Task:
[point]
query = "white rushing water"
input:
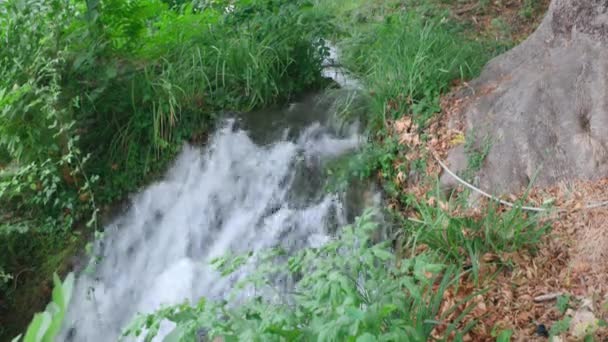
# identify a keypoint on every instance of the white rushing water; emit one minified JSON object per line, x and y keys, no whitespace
{"x":233,"y":196}
{"x":257,"y":184}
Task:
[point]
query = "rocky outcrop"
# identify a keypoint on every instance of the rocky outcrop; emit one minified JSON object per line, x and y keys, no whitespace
{"x":544,"y":104}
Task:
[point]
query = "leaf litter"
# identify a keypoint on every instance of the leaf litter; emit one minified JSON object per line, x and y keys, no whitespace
{"x":571,"y":260}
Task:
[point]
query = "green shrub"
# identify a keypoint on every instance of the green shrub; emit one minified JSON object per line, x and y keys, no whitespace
{"x":97,"y":96}
{"x":350,"y":289}
{"x":146,"y":91}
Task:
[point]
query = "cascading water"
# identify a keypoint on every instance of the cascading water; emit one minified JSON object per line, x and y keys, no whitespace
{"x":257,"y":184}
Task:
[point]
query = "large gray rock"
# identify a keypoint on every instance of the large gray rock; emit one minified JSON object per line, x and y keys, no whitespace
{"x":544,"y":104}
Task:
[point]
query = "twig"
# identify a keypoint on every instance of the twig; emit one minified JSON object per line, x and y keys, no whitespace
{"x":29,"y":269}
{"x":466,"y":9}
{"x":547,"y":297}
{"x":509,"y":204}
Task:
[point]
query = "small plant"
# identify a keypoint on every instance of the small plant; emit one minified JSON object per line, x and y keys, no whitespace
{"x":476,"y":153}
{"x":528,"y":9}
{"x":563,"y":303}
{"x":502,"y":27}
{"x":45,"y":326}
{"x":504,"y":336}
{"x":465,"y":240}
{"x":371,"y":160}
{"x":560,"y":327}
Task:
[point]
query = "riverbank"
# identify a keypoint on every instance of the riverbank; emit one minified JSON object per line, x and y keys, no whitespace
{"x":446,"y":258}
{"x":526,"y":276}
{"x":431,"y":282}
{"x":97,"y":98}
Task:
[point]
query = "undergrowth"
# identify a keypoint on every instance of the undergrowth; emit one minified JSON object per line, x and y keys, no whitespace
{"x":97,"y":96}
{"x":467,"y":240}
{"x":354,"y":288}
{"x":350,"y":289}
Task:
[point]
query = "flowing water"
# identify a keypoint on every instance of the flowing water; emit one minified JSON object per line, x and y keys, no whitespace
{"x":258,"y":183}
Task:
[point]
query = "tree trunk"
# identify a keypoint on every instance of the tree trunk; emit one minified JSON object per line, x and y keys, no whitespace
{"x":544,"y":104}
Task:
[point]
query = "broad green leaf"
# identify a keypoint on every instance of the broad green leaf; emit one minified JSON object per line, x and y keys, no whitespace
{"x":68,"y":286}
{"x":367,"y":337}
{"x":504,"y":336}
{"x":355,"y":313}
{"x":38,"y":328}
{"x":58,"y":297}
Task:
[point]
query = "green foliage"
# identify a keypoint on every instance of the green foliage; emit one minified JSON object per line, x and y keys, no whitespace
{"x":408,"y":61}
{"x":158,"y":84}
{"x":350,"y":289}
{"x":364,"y":164}
{"x":530,"y":8}
{"x":476,"y":152}
{"x":46,"y":325}
{"x":466,"y":240}
{"x":563,"y":303}
{"x":560,"y":327}
{"x":97,"y":96}
{"x":504,"y":336}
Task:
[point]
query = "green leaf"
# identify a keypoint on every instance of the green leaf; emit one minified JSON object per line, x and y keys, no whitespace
{"x":38,"y":328}
{"x":382,"y":254}
{"x":560,"y":326}
{"x":367,"y":337}
{"x":61,"y":299}
{"x":355,"y":313}
{"x":412,"y":288}
{"x":563,"y":302}
{"x":176,"y":335}
{"x":387,"y":310}
{"x":183,"y":316}
{"x":58,"y":297}
{"x":504,"y":336}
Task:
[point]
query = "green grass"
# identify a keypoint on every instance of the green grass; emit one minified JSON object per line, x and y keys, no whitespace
{"x":97,"y":97}
{"x":407,"y":62}
{"x":93,"y":105}
{"x":465,"y":240}
{"x":476,"y":151}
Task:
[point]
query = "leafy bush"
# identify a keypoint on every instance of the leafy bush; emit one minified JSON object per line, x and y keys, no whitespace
{"x":347,"y":290}
{"x":44,"y":188}
{"x":372,"y":159}
{"x":97,"y":96}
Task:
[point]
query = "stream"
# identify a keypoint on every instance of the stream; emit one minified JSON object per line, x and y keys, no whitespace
{"x":258,"y":183}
